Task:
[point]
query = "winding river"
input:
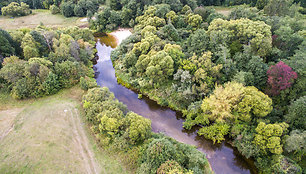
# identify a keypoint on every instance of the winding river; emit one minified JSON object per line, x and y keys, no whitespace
{"x":222,"y":157}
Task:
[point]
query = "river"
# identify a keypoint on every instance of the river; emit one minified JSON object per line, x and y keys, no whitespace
{"x":222,"y":157}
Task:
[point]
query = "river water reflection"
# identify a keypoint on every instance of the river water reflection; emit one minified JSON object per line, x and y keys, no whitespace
{"x":222,"y":157}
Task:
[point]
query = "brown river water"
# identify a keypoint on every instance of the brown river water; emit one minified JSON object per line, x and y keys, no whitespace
{"x":223,"y":158}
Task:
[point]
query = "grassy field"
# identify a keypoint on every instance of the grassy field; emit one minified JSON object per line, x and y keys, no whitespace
{"x":37,"y":17}
{"x":49,"y":135}
{"x":223,"y":10}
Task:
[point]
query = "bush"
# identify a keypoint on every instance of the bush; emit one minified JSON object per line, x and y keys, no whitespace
{"x":169,"y":166}
{"x":158,"y":152}
{"x":139,"y":128}
{"x":87,"y":83}
{"x":78,"y":11}
{"x":15,"y":9}
{"x":51,"y":84}
{"x":67,"y":9}
{"x":54,"y":9}
{"x":296,"y":114}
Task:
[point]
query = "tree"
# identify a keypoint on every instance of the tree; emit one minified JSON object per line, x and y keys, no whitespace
{"x":67,"y":9}
{"x":69,"y":73}
{"x":6,"y":41}
{"x":138,"y":127}
{"x":287,"y":40}
{"x":158,"y":152}
{"x":13,"y":69}
{"x":111,"y":121}
{"x":227,"y":105}
{"x":278,"y":7}
{"x":296,"y":144}
{"x":51,"y":84}
{"x":160,"y":67}
{"x":194,"y":20}
{"x":79,"y":11}
{"x":87,"y":83}
{"x":268,"y":137}
{"x":15,"y":9}
{"x":55,"y":9}
{"x":257,"y":34}
{"x":115,"y":5}
{"x":29,"y":46}
{"x":198,"y":42}
{"x":296,"y":114}
{"x":170,"y":166}
{"x":280,"y":77}
{"x":204,"y":72}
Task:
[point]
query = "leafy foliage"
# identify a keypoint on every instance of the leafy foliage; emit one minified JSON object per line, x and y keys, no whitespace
{"x":45,"y":68}
{"x":127,"y":130}
{"x":280,"y":77}
{"x":15,"y":9}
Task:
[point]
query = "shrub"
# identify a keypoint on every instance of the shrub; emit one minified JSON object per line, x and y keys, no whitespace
{"x":67,"y":9}
{"x":139,"y":128}
{"x":15,"y":9}
{"x":158,"y":152}
{"x":51,"y":84}
{"x":87,"y":83}
{"x":55,"y":9}
{"x":296,"y":114}
{"x":169,"y":166}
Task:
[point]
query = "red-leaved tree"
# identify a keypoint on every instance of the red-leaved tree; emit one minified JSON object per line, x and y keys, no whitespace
{"x":280,"y":77}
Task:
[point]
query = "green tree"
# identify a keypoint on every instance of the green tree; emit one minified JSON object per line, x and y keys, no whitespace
{"x":138,"y":127}
{"x":6,"y":41}
{"x":111,"y":121}
{"x":198,"y":42}
{"x":54,"y":9}
{"x":51,"y":84}
{"x":237,"y":103}
{"x":278,"y":7}
{"x":296,"y":144}
{"x":29,"y":46}
{"x":15,"y":9}
{"x":67,"y":9}
{"x":268,"y":137}
{"x":296,"y":114}
{"x":79,"y":11}
{"x":257,"y":34}
{"x":160,"y":67}
{"x":158,"y":152}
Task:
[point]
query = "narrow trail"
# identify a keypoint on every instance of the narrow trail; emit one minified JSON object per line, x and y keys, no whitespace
{"x":7,"y":122}
{"x":82,"y":141}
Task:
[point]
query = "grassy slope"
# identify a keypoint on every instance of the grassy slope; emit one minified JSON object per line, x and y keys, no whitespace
{"x":48,"y":135}
{"x":37,"y":17}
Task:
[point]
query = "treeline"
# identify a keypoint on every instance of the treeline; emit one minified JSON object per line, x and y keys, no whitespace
{"x":42,"y":61}
{"x":240,"y":76}
{"x":123,"y":13}
{"x":130,"y":134}
{"x":67,"y":8}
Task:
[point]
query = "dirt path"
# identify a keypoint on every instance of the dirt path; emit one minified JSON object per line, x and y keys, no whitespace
{"x":7,"y":118}
{"x":82,"y":141}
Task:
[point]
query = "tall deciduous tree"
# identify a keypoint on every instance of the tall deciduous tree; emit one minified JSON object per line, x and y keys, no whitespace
{"x":280,"y":77}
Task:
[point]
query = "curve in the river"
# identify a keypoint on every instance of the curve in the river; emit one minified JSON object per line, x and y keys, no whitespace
{"x":222,"y":157}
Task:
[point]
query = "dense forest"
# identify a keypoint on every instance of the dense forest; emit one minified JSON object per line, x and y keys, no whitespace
{"x":42,"y":61}
{"x":240,"y":76}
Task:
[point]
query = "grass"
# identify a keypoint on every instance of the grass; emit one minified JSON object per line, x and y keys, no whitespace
{"x":49,"y":135}
{"x":223,"y":10}
{"x":36,"y":18}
